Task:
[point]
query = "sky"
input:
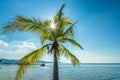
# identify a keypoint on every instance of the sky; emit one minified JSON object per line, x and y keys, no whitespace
{"x":97,"y":30}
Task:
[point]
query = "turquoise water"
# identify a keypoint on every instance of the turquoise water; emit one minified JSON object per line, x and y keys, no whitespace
{"x":66,"y":72}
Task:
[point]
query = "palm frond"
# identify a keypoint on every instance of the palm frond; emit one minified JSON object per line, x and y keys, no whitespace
{"x":64,"y":39}
{"x":24,"y":24}
{"x":59,"y":14}
{"x":20,"y":72}
{"x":44,"y":37}
{"x":10,"y":28}
{"x":68,"y":54}
{"x":69,"y":31}
{"x":30,"y":59}
{"x":64,"y":22}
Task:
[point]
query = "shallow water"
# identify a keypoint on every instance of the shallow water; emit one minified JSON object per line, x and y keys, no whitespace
{"x":66,"y":72}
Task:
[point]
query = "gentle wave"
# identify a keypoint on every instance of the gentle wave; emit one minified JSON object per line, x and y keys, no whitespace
{"x":66,"y":72}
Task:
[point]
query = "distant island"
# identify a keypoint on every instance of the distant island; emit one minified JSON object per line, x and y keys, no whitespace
{"x":14,"y":61}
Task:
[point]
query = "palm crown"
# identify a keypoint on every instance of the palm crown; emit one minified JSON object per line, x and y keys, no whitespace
{"x":53,"y":33}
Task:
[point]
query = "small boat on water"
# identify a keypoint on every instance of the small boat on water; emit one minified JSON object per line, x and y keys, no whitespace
{"x":42,"y":64}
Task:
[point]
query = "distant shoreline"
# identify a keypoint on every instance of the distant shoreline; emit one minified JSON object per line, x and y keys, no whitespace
{"x":16,"y":62}
{"x":7,"y":64}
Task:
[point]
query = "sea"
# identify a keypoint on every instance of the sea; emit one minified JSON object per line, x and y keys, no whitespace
{"x":66,"y":72}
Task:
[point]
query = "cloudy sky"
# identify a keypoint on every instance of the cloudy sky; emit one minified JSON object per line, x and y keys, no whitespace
{"x":98,"y":29}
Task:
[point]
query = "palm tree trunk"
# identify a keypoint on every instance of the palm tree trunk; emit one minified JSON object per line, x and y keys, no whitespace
{"x":55,"y":68}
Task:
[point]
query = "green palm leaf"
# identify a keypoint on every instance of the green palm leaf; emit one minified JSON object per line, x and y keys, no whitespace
{"x":30,"y":59}
{"x":69,"y":31}
{"x":20,"y":71}
{"x":25,"y":24}
{"x":59,"y":14}
{"x":64,"y":22}
{"x":68,"y":54}
{"x":64,"y":39}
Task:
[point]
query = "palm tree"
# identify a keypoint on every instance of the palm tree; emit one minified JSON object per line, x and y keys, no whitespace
{"x":53,"y":33}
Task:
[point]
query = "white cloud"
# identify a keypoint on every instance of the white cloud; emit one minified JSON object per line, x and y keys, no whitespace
{"x":15,"y":49}
{"x":3,"y":44}
{"x":27,"y":45}
{"x":24,"y":47}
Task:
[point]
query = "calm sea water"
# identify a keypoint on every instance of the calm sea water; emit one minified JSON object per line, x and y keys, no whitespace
{"x":66,"y":72}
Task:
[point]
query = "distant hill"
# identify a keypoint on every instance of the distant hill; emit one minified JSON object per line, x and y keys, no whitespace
{"x":8,"y":61}
{"x":14,"y":61}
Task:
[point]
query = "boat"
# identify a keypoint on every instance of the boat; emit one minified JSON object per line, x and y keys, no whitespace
{"x":42,"y":64}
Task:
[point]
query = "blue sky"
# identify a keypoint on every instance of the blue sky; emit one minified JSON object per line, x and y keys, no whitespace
{"x":97,"y":31}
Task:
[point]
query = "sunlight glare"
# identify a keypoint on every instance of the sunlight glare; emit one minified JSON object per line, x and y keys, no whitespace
{"x":53,"y":26}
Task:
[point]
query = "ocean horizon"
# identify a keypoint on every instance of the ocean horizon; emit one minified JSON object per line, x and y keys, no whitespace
{"x":85,"y":71}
